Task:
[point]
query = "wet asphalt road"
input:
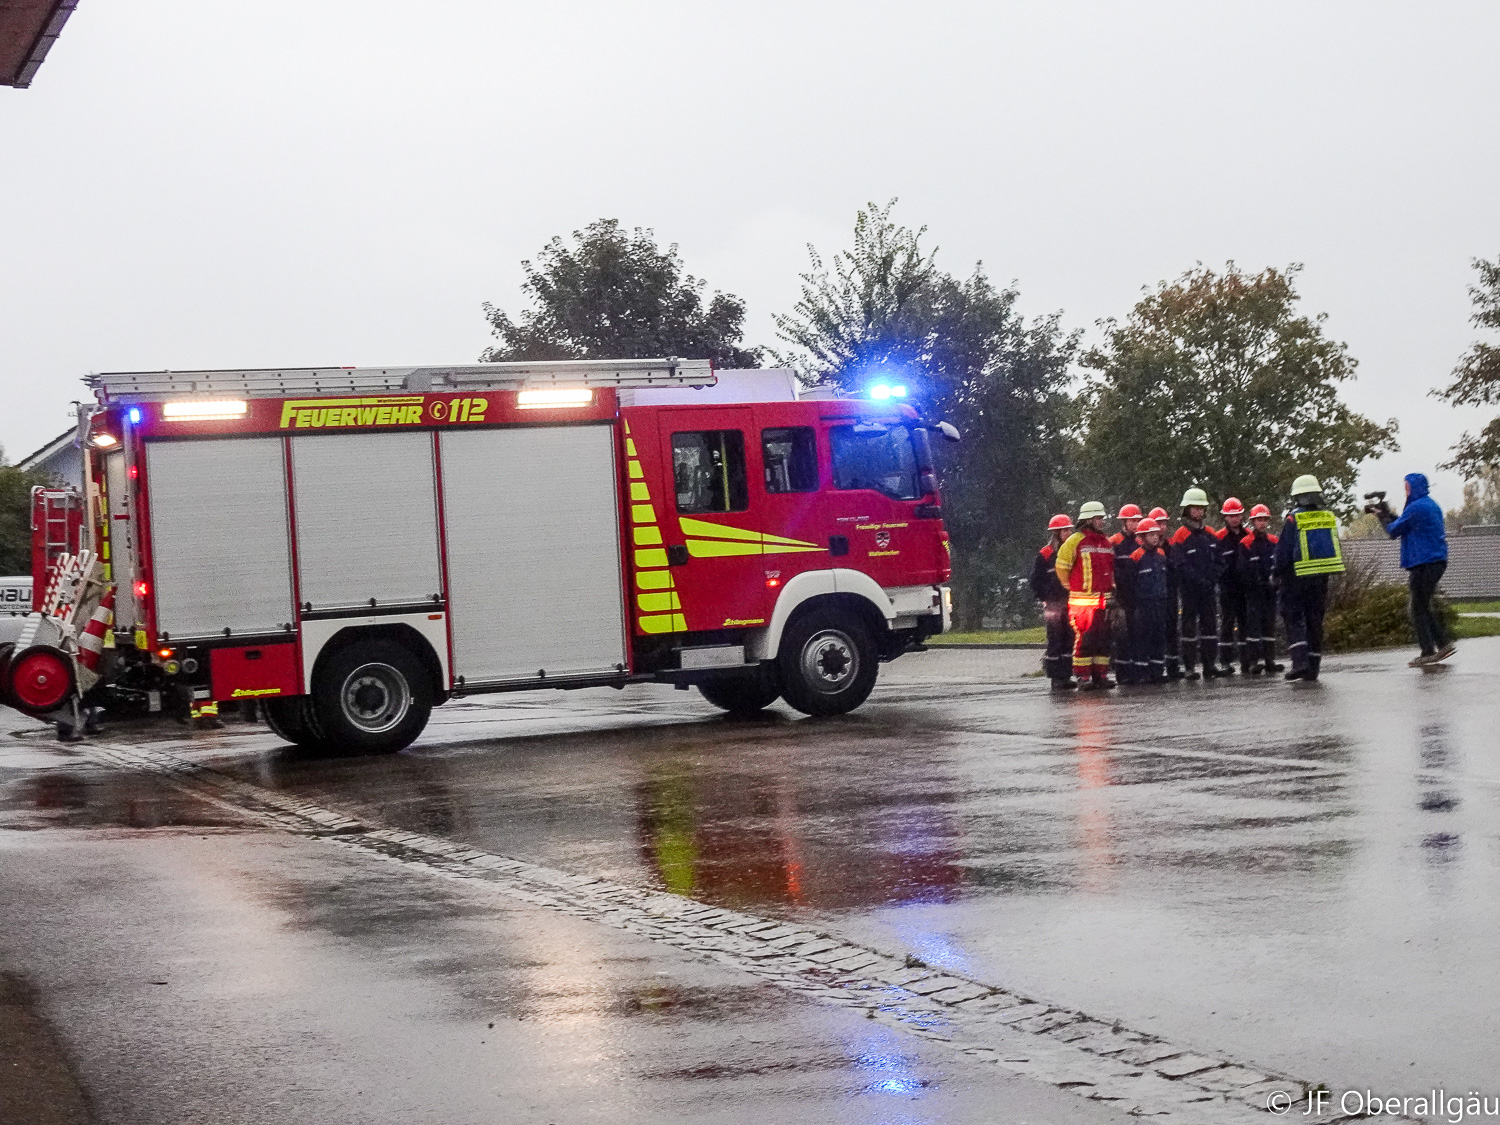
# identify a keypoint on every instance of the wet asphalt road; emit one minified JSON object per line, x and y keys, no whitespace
{"x":1301,"y":878}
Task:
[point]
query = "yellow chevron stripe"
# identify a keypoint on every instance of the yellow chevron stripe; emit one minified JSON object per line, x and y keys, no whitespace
{"x":642,"y":513}
{"x":657,"y":603}
{"x":647,"y":536}
{"x":653,"y":580}
{"x":724,"y":531}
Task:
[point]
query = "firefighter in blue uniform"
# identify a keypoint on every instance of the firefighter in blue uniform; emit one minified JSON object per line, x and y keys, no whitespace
{"x":1150,"y":587}
{"x":1129,"y":668}
{"x":1234,"y":640}
{"x":1256,"y":562}
{"x":1195,"y":554}
{"x":1307,"y":553}
{"x":1057,"y":662}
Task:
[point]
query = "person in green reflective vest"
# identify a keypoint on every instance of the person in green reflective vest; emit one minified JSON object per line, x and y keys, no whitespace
{"x":1307,"y":553}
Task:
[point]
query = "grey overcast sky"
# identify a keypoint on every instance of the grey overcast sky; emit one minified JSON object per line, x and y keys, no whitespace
{"x":344,"y":181}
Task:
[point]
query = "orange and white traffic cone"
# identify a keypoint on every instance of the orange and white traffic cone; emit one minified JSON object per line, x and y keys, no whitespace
{"x":91,"y":643}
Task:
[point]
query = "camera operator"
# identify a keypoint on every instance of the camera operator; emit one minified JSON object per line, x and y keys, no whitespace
{"x":1424,"y":557}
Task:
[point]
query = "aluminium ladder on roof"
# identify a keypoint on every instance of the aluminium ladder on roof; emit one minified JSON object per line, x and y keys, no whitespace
{"x":152,"y":386}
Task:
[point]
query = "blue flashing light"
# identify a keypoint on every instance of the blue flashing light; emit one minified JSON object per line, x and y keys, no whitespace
{"x":883,"y":391}
{"x":135,"y":415}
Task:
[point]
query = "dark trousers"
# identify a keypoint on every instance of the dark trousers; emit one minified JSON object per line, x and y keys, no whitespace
{"x":1260,"y":625}
{"x":1422,"y":582}
{"x":1303,"y":604}
{"x":1200,"y":626}
{"x":1234,"y":637}
{"x":1174,"y":635}
{"x":1057,"y":663}
{"x":1151,"y":617}
{"x":1122,"y":629}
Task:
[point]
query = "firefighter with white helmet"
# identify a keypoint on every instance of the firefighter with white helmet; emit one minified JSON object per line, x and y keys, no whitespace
{"x":1233,"y":639}
{"x":1086,"y":569}
{"x":1307,"y":553}
{"x":1057,"y":661}
{"x":1195,"y":552}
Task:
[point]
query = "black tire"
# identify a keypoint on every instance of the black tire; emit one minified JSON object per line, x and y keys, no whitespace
{"x":743,"y":693}
{"x":827,"y":663}
{"x":5,"y":650}
{"x":372,"y":697}
{"x":287,"y":719}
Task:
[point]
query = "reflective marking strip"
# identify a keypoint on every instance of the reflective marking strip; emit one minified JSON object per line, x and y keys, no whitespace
{"x":664,"y":623}
{"x":634,"y":468}
{"x":653,"y":580}
{"x":649,"y":557}
{"x":639,"y":491}
{"x":657,"y":603}
{"x":642,"y":513}
{"x":630,"y":447}
{"x":647,"y":536}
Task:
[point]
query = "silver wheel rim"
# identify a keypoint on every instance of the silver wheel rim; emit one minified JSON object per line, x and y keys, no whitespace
{"x":830,"y":661}
{"x":375,"y":697}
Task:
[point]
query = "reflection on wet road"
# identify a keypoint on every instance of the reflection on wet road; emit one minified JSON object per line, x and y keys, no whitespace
{"x":1300,"y":876}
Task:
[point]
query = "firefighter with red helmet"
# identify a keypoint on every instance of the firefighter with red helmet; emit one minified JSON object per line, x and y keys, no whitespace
{"x":1057,"y":661}
{"x":1233,"y":638}
{"x":1256,"y":561}
{"x":1086,"y":569}
{"x":1195,"y":552}
{"x":1128,"y":669}
{"x":1163,"y":520}
{"x":1150,"y":584}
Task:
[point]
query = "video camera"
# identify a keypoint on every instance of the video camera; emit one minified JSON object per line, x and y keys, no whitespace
{"x":1379,"y":508}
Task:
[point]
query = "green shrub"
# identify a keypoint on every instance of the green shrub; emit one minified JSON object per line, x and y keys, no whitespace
{"x":1376,"y":616}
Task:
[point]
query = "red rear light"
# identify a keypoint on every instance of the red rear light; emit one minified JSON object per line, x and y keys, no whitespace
{"x":140,"y":589}
{"x":135,"y":471}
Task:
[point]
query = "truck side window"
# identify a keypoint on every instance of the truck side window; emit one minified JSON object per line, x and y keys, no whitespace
{"x":876,"y":457}
{"x":790,"y":454}
{"x":708,"y":471}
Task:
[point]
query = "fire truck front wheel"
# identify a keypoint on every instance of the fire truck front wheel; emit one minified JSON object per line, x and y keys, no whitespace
{"x":372,"y":697}
{"x":827,"y":662}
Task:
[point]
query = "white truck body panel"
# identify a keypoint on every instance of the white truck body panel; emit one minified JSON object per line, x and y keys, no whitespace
{"x":535,"y":579}
{"x":219,"y":545}
{"x":366,"y":518}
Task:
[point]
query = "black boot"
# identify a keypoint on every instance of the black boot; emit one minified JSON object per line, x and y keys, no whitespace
{"x":1063,"y":685}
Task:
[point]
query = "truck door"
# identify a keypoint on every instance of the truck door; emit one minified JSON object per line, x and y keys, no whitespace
{"x":875,"y":485}
{"x":798,"y":524}
{"x":714,"y":514}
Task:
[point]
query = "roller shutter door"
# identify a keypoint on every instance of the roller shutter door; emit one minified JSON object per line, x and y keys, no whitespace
{"x":366,"y":520}
{"x":532,"y":523}
{"x":219,"y":548}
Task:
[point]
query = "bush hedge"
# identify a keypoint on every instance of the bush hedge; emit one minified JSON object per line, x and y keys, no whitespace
{"x":1376,"y":616}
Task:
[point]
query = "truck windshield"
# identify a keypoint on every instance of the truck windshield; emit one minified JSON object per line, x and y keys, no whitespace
{"x":875,"y":457}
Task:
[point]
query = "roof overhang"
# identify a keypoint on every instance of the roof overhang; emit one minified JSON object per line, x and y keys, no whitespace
{"x":28,"y":28}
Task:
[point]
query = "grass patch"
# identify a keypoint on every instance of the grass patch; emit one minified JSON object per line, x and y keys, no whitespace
{"x":1467,"y":627}
{"x":1477,"y":607}
{"x":1034,"y":636}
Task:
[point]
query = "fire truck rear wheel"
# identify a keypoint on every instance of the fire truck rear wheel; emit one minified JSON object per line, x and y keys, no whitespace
{"x":287,"y":719}
{"x":743,"y":693}
{"x":373,"y":697}
{"x":827,"y":662}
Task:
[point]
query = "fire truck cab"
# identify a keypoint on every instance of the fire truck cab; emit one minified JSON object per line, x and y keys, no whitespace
{"x":351,"y":547}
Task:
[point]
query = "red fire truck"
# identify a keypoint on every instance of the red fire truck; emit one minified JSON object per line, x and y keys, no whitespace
{"x":351,"y":546}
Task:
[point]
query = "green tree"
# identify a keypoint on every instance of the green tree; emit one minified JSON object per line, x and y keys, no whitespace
{"x":1481,"y":501}
{"x":883,"y":310}
{"x":616,"y":295}
{"x":1476,"y":379}
{"x":15,"y":517}
{"x":1215,"y":380}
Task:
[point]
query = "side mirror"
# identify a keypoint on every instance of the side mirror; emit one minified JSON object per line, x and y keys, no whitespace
{"x":949,"y":431}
